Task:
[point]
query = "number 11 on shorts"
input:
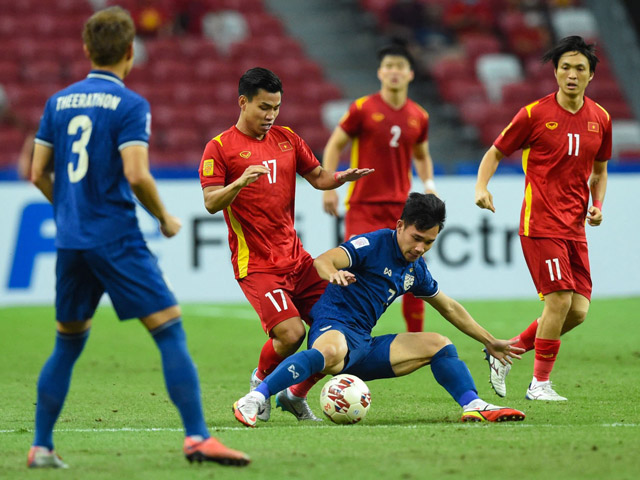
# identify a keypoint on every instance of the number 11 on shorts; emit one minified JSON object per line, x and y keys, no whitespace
{"x":550,"y":263}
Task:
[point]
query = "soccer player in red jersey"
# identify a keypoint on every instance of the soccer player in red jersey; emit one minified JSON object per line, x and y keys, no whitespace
{"x":565,"y":139}
{"x":249,"y":172}
{"x":385,"y":129}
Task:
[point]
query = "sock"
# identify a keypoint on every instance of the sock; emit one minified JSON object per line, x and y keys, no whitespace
{"x":453,"y":374}
{"x":269,"y":360}
{"x":413,"y":312}
{"x":294,"y":369}
{"x":301,"y":389}
{"x":546,"y":353}
{"x":53,"y":384}
{"x":527,"y":337}
{"x":180,"y":376}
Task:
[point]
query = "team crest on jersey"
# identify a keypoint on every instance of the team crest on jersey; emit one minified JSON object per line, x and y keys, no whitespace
{"x":593,"y":127}
{"x":408,"y":281}
{"x":285,"y":146}
{"x":207,"y":167}
{"x":245,"y":154}
{"x":551,"y":125}
{"x":378,"y":117}
{"x":360,"y":242}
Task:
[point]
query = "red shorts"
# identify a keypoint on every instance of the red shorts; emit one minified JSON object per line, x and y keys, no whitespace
{"x":556,"y":264}
{"x":367,"y":217}
{"x":278,"y":297}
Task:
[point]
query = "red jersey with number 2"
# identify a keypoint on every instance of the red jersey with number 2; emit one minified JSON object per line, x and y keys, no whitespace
{"x":260,"y":219}
{"x":558,"y":151}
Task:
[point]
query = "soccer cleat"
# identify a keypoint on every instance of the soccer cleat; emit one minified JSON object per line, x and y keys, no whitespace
{"x":497,"y":374}
{"x":298,"y":406}
{"x":492,"y":413}
{"x":265,"y":411}
{"x":42,"y":457}
{"x":246,"y":409}
{"x":543,"y":391}
{"x":212,"y":450}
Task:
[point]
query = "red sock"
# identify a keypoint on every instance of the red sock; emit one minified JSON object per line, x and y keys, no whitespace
{"x":527,"y":337}
{"x":269,"y":360}
{"x":413,"y":311}
{"x":301,"y":389}
{"x":546,"y":353}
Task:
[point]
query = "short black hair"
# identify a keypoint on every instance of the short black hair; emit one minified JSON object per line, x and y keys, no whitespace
{"x":573,"y":43}
{"x":396,"y":50}
{"x":258,"y":78}
{"x":424,"y":210}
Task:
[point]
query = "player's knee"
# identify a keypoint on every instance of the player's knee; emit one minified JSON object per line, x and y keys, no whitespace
{"x":577,"y":317}
{"x":333,"y":354}
{"x":291,"y":337}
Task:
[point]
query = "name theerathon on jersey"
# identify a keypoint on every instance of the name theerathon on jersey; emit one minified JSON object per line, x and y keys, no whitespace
{"x":83,"y":100}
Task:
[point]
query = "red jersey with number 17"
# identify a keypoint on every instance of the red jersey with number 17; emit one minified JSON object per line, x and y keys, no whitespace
{"x":260,"y":219}
{"x":558,"y":151}
{"x":383,"y":138}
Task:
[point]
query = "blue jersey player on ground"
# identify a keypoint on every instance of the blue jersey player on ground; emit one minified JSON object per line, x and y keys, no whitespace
{"x":91,"y":151}
{"x":366,"y":274}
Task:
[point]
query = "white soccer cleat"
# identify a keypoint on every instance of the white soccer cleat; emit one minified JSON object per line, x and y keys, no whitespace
{"x":497,"y":374}
{"x":42,"y":457}
{"x":543,"y":391}
{"x":246,"y":409}
{"x":265,"y":412}
{"x":287,"y":401}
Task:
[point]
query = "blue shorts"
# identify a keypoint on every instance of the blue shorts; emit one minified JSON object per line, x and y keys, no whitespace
{"x":367,"y":356}
{"x":125,"y":269}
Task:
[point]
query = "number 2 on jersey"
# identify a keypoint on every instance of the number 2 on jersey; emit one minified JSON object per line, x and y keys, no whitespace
{"x":83,"y":123}
{"x":396,"y":131}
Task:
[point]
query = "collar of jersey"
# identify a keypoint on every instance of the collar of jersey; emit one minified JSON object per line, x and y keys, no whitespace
{"x":104,"y":75}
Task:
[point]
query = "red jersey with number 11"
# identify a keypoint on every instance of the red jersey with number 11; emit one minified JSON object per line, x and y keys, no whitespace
{"x":558,"y":151}
{"x":260,"y":219}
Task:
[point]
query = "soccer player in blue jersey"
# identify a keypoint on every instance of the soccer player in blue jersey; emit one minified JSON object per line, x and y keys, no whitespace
{"x":91,"y":151}
{"x":366,"y":274}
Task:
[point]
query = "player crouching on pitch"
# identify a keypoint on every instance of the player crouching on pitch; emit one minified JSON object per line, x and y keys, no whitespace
{"x":366,"y":274}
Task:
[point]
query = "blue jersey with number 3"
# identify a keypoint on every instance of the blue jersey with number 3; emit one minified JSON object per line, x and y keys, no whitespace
{"x":382,"y":275}
{"x":87,"y":125}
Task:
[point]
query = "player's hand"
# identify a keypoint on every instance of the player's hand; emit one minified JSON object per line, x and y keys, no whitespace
{"x":251,"y":174}
{"x":484,"y":199}
{"x":330,"y":202}
{"x":504,"y":350}
{"x":353,"y":174}
{"x":594,"y":216}
{"x":342,"y":278}
{"x":170,"y":225}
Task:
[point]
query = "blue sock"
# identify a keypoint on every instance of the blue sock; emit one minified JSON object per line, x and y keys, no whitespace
{"x":294,"y":369}
{"x":452,"y":373}
{"x":53,"y":384}
{"x":180,"y":376}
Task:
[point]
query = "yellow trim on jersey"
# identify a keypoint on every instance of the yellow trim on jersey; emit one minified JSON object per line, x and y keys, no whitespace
{"x":219,"y":139}
{"x":288,"y":128}
{"x":355,"y":149}
{"x":243,"y":249}
{"x":529,"y":107}
{"x":527,"y":210}
{"x":360,"y":101}
{"x":423,"y":110}
{"x":603,"y":110}
{"x":525,"y":158}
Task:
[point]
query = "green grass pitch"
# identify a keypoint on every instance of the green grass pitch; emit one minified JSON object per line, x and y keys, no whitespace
{"x":119,"y":423}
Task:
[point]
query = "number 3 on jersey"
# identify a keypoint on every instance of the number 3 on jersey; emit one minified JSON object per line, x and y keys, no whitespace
{"x":82,"y":123}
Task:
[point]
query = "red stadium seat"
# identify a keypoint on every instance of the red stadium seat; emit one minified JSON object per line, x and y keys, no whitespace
{"x":9,"y":71}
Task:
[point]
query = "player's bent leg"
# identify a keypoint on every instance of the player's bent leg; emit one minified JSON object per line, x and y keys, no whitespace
{"x":287,"y":336}
{"x":411,"y":351}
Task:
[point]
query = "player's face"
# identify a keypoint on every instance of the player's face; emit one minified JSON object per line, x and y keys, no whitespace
{"x":573,"y":74}
{"x":414,"y":243}
{"x":257,"y":116}
{"x":395,"y":72}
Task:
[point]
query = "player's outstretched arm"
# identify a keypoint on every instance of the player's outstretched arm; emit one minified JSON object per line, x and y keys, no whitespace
{"x":330,"y":266}
{"x":488,"y":167}
{"x":322,"y":179}
{"x":330,"y":160}
{"x":41,"y":168}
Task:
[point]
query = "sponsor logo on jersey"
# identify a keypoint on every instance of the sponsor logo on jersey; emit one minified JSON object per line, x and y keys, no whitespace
{"x":408,"y":281}
{"x":414,"y":123}
{"x":360,"y":242}
{"x":207,"y":167}
{"x":551,"y":125}
{"x":377,"y":117}
{"x":593,"y":127}
{"x":245,"y":154}
{"x":285,"y":146}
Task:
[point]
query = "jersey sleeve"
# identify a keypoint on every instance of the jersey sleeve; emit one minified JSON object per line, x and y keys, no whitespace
{"x":45,"y":133}
{"x":424,"y":133}
{"x":357,"y":249}
{"x":213,"y":166}
{"x":351,"y":122}
{"x":516,"y":135}
{"x":605,"y":148}
{"x":135,"y":127}
{"x":426,"y":286}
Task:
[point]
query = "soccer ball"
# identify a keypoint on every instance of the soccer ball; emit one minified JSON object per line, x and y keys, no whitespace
{"x":345,"y":399}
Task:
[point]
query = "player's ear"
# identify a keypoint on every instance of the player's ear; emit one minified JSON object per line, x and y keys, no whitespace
{"x":242,"y":101}
{"x":400,"y":225}
{"x":85,"y":49}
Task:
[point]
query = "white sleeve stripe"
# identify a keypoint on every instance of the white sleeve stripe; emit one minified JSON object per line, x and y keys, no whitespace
{"x":133,"y":143}
{"x":43,"y":142}
{"x":348,"y":255}
{"x":429,"y":296}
